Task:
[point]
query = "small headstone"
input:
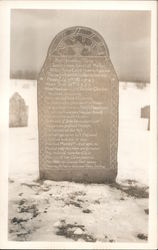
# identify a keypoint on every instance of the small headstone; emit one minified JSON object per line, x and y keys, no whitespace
{"x":145,"y":113}
{"x":18,"y":111}
{"x":78,"y":109}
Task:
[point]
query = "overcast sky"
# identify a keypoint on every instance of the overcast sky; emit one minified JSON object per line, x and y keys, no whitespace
{"x":126,"y":33}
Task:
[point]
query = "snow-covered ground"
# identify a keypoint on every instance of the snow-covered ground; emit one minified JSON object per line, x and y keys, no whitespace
{"x":64,"y":211}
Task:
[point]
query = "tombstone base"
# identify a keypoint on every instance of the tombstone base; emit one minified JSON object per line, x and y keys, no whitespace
{"x":95,"y":175}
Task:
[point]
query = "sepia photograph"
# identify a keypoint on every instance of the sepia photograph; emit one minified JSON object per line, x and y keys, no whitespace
{"x":80,"y":126}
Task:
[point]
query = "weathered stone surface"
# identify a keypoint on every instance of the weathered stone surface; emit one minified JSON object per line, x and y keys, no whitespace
{"x":78,"y":109}
{"x":145,"y":113}
{"x":18,"y":111}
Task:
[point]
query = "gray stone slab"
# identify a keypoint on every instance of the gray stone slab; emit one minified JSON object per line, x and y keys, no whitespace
{"x":18,"y":111}
{"x":78,"y":109}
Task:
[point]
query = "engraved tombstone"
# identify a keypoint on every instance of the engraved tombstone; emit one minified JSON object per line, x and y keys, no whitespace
{"x":78,"y":109}
{"x":18,"y":111}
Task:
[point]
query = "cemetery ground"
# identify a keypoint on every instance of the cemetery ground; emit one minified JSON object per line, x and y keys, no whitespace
{"x":67,"y":211}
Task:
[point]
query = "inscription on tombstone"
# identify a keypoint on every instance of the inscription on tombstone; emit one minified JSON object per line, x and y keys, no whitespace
{"x":78,"y":109}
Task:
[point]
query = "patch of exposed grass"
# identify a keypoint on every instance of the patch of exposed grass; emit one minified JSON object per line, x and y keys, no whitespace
{"x":87,"y":211}
{"x":68,"y":231}
{"x":132,"y":190}
{"x":73,"y":203}
{"x":142,"y":236}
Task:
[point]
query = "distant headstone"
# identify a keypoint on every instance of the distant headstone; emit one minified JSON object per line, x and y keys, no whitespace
{"x":78,"y":109}
{"x":18,"y":111}
{"x":145,"y":113}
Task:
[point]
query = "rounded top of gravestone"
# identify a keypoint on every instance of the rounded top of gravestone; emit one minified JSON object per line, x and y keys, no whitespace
{"x":16,"y":96}
{"x":78,"y":41}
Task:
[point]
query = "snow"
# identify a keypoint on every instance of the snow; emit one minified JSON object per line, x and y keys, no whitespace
{"x":133,"y":152}
{"x":65,"y":211}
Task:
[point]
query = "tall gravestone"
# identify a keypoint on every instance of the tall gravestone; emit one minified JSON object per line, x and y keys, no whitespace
{"x":78,"y":109}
